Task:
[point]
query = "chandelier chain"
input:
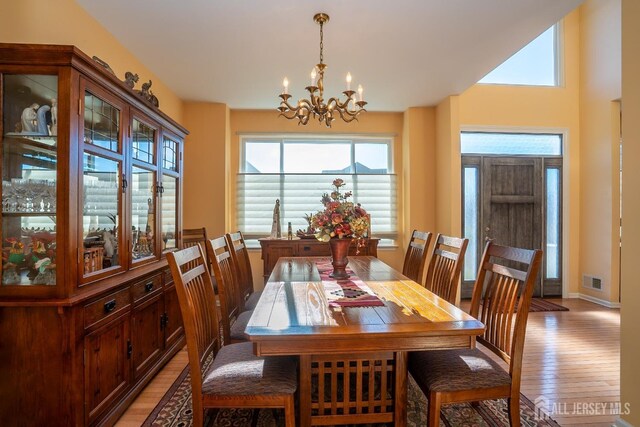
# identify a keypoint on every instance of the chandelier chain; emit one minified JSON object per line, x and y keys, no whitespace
{"x":321,"y":42}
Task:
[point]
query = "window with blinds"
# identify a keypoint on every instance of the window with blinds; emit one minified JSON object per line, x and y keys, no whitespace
{"x":299,"y":170}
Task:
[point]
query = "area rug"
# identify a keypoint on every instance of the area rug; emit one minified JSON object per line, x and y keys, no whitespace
{"x":174,"y":410}
{"x":540,"y":304}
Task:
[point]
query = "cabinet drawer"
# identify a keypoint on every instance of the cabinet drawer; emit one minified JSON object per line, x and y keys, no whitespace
{"x":168,"y":278}
{"x":145,"y":288}
{"x":105,"y":307}
{"x":313,"y":249}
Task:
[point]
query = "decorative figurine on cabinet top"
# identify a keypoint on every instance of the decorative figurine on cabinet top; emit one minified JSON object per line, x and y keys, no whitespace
{"x":276,"y":232}
{"x":130,"y":79}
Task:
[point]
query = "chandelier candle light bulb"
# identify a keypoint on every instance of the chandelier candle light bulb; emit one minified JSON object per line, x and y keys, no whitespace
{"x":285,"y":84}
{"x":316,"y":106}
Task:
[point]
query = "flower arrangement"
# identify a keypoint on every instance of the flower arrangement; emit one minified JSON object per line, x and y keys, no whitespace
{"x":340,"y":217}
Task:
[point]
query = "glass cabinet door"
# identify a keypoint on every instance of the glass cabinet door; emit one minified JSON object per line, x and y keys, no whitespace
{"x":103,"y":182}
{"x":143,"y":213}
{"x":29,"y":179}
{"x":169,"y":193}
{"x":144,"y":189}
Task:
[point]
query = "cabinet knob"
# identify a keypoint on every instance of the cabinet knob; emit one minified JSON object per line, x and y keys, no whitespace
{"x":109,"y":306}
{"x":148,"y":287}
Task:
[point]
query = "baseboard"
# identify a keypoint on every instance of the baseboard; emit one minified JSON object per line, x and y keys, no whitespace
{"x":599,"y":301}
{"x":619,"y":422}
{"x":572,"y":295}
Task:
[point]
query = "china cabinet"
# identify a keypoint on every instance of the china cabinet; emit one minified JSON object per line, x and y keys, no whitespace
{"x":91,"y":190}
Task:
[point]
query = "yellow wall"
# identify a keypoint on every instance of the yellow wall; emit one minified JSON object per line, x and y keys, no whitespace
{"x":65,"y":22}
{"x":268,"y":122}
{"x":448,"y":167}
{"x":630,"y":311}
{"x":505,"y":107}
{"x":205,"y":167}
{"x":600,"y":86}
{"x":418,"y":172}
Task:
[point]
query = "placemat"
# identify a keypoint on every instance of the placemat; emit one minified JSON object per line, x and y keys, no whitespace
{"x":351,"y":292}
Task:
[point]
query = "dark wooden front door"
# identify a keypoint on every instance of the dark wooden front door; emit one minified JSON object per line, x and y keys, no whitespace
{"x":512,"y":202}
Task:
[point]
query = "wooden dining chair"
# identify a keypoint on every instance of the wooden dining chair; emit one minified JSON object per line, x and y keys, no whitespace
{"x":444,"y":268}
{"x":416,"y":255}
{"x":235,"y":378}
{"x":198,"y":236}
{"x":194,"y":236}
{"x":234,"y":321}
{"x":470,"y":375}
{"x":240,"y":257}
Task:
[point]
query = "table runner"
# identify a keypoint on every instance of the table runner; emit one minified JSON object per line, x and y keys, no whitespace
{"x":351,"y":292}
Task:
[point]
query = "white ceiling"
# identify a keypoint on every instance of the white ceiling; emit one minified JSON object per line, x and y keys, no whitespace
{"x":404,"y":52}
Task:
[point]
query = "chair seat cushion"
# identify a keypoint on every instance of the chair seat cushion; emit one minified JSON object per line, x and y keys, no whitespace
{"x":252,"y":301}
{"x":237,"y":328}
{"x":236,"y":371}
{"x":456,"y":370}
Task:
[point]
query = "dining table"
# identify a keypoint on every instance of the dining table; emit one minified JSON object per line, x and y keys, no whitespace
{"x":353,"y":336}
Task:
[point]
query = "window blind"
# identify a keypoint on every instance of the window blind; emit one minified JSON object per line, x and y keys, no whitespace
{"x":300,"y":194}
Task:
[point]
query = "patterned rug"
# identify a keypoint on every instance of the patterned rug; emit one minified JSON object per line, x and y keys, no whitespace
{"x":174,"y":410}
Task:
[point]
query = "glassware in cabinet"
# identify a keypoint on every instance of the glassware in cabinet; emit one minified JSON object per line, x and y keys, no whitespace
{"x":29,"y":179}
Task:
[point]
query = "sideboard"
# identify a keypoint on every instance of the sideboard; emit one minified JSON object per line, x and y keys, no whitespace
{"x":272,"y":249}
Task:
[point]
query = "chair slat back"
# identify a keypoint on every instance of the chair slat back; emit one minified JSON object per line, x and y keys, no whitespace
{"x":198,"y":307}
{"x":225,"y":274}
{"x":195,"y":236}
{"x":416,"y":255}
{"x":504,"y":305}
{"x":240,"y":257}
{"x":445,"y":265}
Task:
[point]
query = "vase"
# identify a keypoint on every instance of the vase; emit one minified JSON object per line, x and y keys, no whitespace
{"x":339,"y":260}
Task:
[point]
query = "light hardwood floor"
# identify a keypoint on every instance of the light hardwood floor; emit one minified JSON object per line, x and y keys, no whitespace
{"x":571,"y":359}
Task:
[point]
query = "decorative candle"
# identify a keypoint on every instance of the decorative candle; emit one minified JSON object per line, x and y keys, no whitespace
{"x":360,"y":90}
{"x":313,"y":77}
{"x":348,"y":81}
{"x":285,"y":83}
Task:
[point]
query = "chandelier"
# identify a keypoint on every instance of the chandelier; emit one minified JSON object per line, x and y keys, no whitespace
{"x":315,"y":106}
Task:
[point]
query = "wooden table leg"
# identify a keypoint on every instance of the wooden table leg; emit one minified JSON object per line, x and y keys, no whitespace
{"x":305,"y":390}
{"x":400,"y":412}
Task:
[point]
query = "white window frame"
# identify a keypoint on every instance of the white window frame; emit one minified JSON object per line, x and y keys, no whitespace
{"x":353,"y":140}
{"x":558,"y":59}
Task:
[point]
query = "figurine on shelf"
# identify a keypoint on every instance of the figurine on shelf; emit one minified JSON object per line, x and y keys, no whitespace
{"x":46,"y":272}
{"x":30,"y":118}
{"x":41,"y":249}
{"x":43,"y":129}
{"x":54,"y":117}
{"x":110,"y":248}
{"x":13,"y":257}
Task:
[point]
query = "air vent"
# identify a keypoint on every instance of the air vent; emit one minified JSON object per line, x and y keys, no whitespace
{"x":592,"y":282}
